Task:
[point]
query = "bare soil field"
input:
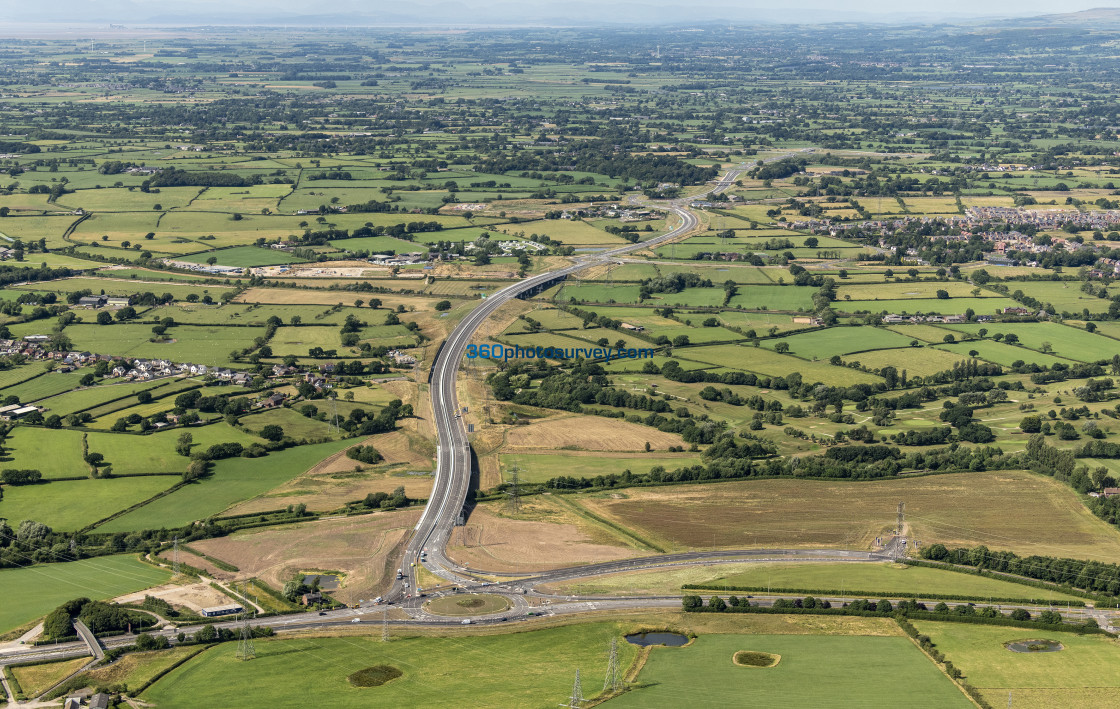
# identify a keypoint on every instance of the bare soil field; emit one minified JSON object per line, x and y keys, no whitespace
{"x":544,"y":536}
{"x":194,"y":596}
{"x":356,"y":546}
{"x":587,"y":433}
{"x":1016,"y":510}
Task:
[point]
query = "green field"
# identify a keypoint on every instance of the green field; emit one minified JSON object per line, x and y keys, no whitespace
{"x":91,"y":397}
{"x":53,"y":584}
{"x":189,"y":343}
{"x":1085,"y":674}
{"x":526,"y":669}
{"x":376,"y":244}
{"x":49,"y":384}
{"x":787,"y":297}
{"x":56,"y":453}
{"x":244,"y":257}
{"x":815,"y":671}
{"x":298,"y":340}
{"x":130,"y":453}
{"x":233,"y":480}
{"x":904,"y":306}
{"x":162,"y":391}
{"x":128,"y":287}
{"x":920,"y":361}
{"x":822,"y":344}
{"x":73,"y":504}
{"x":1064,"y":341}
{"x":294,"y":423}
{"x":763,"y":361}
{"x":15,"y":375}
{"x":1063,"y":296}
{"x":1001,"y":353}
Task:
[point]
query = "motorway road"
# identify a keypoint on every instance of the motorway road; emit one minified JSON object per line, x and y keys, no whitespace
{"x":453,"y":467}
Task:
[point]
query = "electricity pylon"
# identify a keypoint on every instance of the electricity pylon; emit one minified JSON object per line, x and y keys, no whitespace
{"x":245,"y":648}
{"x":613,"y":680}
{"x":576,"y":700}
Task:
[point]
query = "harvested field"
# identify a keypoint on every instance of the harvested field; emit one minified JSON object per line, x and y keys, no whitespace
{"x":356,"y":546}
{"x":1034,"y":515}
{"x":588,"y":433}
{"x":544,"y":537}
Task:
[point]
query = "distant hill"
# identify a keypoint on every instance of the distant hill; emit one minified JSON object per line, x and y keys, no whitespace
{"x":1097,"y":18}
{"x":350,"y":13}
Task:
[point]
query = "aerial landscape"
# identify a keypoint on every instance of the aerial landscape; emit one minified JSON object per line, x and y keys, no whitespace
{"x":644,"y":362}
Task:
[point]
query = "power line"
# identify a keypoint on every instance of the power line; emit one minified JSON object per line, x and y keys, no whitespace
{"x":175,"y":557}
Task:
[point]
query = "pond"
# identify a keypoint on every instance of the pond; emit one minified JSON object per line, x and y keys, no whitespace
{"x":670,"y":639}
{"x":327,"y":582}
{"x":1034,"y":646}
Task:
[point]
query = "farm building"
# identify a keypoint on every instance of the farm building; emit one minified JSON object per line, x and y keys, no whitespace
{"x":19,"y":412}
{"x":91,"y":301}
{"x":229,"y":609}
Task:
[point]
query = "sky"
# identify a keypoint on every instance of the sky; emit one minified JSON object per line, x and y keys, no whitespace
{"x":516,"y":11}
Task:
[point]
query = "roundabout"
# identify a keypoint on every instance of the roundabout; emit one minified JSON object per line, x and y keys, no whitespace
{"x":467,"y":605}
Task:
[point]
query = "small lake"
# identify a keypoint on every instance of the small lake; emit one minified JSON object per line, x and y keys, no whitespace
{"x":1035,"y":646}
{"x":670,"y":639}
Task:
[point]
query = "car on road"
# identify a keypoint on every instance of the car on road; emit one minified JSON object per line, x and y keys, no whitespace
{"x":322,"y":612}
{"x":356,"y":620}
{"x":468,"y":621}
